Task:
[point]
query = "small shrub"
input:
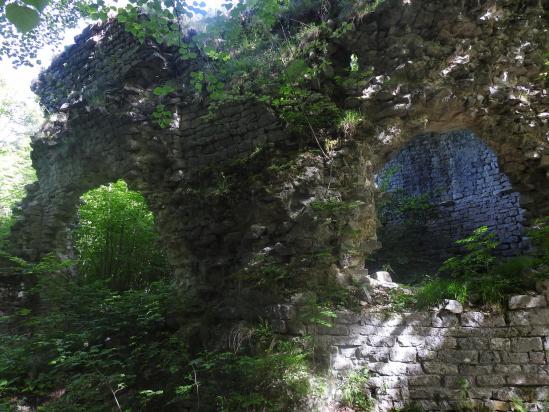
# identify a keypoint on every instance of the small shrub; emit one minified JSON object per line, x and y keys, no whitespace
{"x":479,"y":247}
{"x":349,"y":122}
{"x":162,"y":116}
{"x":477,"y":275}
{"x":354,"y":392}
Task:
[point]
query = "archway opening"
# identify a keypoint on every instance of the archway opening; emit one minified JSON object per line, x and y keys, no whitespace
{"x":115,"y":239}
{"x":436,"y":190}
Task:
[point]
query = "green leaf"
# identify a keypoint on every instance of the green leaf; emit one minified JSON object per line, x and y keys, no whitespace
{"x":23,"y":18}
{"x":39,"y":5}
{"x":24,"y":312}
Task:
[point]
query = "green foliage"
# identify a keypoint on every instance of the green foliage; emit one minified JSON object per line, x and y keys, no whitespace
{"x":303,"y":109}
{"x":116,"y":239}
{"x":518,"y":405}
{"x":19,"y":118}
{"x":316,"y":313}
{"x":163,"y":90}
{"x":354,"y":392}
{"x":265,"y":272}
{"x":269,"y":374}
{"x":413,"y":209}
{"x":539,"y":233}
{"x":436,"y":290}
{"x":466,"y":403}
{"x":24,"y":18}
{"x":30,"y":25}
{"x":162,"y":116}
{"x":387,"y":176}
{"x":91,"y":342}
{"x":349,"y":122}
{"x":15,"y":173}
{"x":479,"y":247}
{"x":5,"y":226}
{"x":353,"y":65}
{"x":334,"y":206}
{"x":359,"y":8}
{"x":96,"y":349}
{"x":476,"y":275}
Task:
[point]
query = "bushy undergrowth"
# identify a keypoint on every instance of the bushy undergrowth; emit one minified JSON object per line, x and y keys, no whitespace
{"x":116,"y":239}
{"x":354,"y":393}
{"x":95,"y":349}
{"x":478,"y":276}
{"x":112,"y":338}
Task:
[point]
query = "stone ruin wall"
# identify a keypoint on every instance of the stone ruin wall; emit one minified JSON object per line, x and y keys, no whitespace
{"x":423,"y":358}
{"x":456,"y":179}
{"x":437,"y":67}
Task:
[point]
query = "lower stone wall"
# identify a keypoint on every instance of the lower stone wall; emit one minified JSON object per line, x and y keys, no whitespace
{"x":430,"y":358}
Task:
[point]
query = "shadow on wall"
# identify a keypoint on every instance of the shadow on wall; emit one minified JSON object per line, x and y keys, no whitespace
{"x":438,"y":189}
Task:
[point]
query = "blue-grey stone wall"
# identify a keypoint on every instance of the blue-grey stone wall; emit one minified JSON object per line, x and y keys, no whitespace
{"x":438,"y":189}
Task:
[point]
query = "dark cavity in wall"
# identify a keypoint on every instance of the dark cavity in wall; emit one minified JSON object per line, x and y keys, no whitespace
{"x":438,"y":189}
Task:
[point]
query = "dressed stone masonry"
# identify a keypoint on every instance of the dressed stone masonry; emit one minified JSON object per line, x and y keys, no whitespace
{"x":459,"y":180}
{"x":428,"y":357}
{"x":236,"y":187}
{"x":437,"y":67}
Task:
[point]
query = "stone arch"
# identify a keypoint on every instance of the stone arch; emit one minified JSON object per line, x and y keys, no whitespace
{"x":428,"y":77}
{"x":439,"y":188}
{"x":100,"y":92}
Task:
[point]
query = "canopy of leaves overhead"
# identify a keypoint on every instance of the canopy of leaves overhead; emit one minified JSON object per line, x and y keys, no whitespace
{"x":27,"y":26}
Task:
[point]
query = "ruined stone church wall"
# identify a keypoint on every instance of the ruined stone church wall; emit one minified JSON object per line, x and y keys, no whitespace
{"x":237,"y":185}
{"x":437,"y":359}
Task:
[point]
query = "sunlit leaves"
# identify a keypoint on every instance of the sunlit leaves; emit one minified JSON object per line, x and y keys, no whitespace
{"x":114,"y":218}
{"x":163,"y":90}
{"x":39,"y":5}
{"x":22,"y":17}
{"x":21,"y":44}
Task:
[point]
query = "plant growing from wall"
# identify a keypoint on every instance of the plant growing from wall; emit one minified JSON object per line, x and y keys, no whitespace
{"x":162,"y":116}
{"x":354,"y":392}
{"x":478,"y":274}
{"x":414,"y":209}
{"x":349,"y":122}
{"x":539,"y":233}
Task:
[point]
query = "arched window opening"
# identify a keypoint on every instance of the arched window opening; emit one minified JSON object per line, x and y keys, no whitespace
{"x":116,"y":240}
{"x":437,"y":189}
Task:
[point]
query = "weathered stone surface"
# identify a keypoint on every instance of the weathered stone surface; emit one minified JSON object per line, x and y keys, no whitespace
{"x":383,"y":276}
{"x":422,"y":366}
{"x":403,"y":355}
{"x":527,"y":302}
{"x":526,"y":344}
{"x":439,"y":68}
{"x":453,"y":306}
{"x":480,"y":319}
